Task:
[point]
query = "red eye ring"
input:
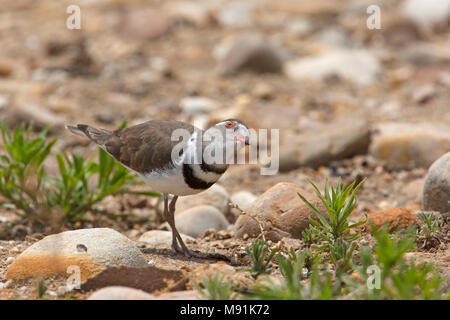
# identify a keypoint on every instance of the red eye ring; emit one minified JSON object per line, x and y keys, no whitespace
{"x":230,"y":124}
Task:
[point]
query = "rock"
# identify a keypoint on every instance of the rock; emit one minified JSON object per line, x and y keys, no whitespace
{"x":358,"y":66}
{"x":410,"y":144}
{"x":279,"y":210}
{"x":436,"y":190}
{"x":198,"y":14}
{"x":236,"y":14}
{"x":427,"y":13}
{"x":125,"y":293}
{"x":6,"y":69}
{"x":215,"y":196}
{"x":161,"y":237}
{"x":148,"y":279}
{"x":144,"y":24}
{"x":39,"y":116}
{"x":424,"y":94}
{"x":198,"y":105}
{"x":53,"y":254}
{"x":196,"y":220}
{"x":394,"y":218}
{"x":251,"y":52}
{"x":269,"y":116}
{"x":324,"y":145}
{"x":263,"y":90}
{"x":334,"y":36}
{"x":4,"y":101}
{"x":120,"y":293}
{"x":243,"y":199}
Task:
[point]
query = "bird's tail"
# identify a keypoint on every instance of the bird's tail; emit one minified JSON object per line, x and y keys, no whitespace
{"x":99,"y":136}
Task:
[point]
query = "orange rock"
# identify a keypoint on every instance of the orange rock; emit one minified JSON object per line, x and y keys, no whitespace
{"x":393,"y":218}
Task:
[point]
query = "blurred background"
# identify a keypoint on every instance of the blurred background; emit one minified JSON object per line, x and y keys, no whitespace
{"x":313,"y":69}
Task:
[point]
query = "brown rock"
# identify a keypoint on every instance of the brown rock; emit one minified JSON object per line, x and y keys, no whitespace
{"x":393,"y":218}
{"x":279,"y":210}
{"x":416,"y":144}
{"x":148,"y":279}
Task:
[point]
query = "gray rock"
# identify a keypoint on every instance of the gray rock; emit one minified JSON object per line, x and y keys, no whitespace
{"x":161,"y":237}
{"x":101,"y":248}
{"x":195,"y":221}
{"x":324,"y":145}
{"x":215,"y":196}
{"x":410,"y":144}
{"x":436,"y":190}
{"x":358,"y":66}
{"x":251,"y":52}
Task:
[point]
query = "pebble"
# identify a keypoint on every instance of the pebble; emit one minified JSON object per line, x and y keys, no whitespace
{"x":195,"y":221}
{"x":358,"y":66}
{"x":198,"y":105}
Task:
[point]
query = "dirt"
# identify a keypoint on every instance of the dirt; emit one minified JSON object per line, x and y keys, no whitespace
{"x":97,"y":75}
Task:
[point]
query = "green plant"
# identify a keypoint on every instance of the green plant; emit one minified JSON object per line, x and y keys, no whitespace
{"x":291,"y":288}
{"x":430,"y":233}
{"x":261,"y":256}
{"x":398,"y":278}
{"x":334,"y":236}
{"x":26,"y":186}
{"x":216,"y":288}
{"x":22,"y":172}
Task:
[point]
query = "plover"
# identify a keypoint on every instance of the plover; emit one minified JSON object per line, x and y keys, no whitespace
{"x":172,"y":157}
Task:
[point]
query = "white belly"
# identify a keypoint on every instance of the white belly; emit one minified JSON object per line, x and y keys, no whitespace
{"x":169,"y":181}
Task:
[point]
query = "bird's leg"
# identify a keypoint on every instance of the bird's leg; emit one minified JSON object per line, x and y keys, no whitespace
{"x":171,"y":222}
{"x":175,"y":232}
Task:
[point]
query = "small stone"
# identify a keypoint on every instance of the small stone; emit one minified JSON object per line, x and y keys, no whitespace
{"x":263,"y":91}
{"x":4,"y":101}
{"x":243,"y":199}
{"x":251,"y":52}
{"x":55,"y":253}
{"x":394,"y":218}
{"x":358,"y":66}
{"x":427,"y":13}
{"x":436,"y":190}
{"x":424,"y":94}
{"x":6,"y":69}
{"x":215,"y":196}
{"x":151,"y":263}
{"x":161,"y":237}
{"x":9,"y":260}
{"x":39,"y":116}
{"x":198,"y":105}
{"x":280,"y":212}
{"x":197,"y":220}
{"x":144,"y":24}
{"x":120,"y":293}
{"x":410,"y":144}
{"x":236,"y":14}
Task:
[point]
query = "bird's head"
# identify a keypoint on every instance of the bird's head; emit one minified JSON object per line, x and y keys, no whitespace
{"x":235,"y":132}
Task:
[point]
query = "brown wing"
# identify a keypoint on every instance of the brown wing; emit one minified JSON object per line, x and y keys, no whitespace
{"x":146,"y":146}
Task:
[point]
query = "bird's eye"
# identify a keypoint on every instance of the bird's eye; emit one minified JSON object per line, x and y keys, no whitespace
{"x":230,"y":124}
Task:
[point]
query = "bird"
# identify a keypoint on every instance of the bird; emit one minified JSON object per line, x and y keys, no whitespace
{"x":173,"y":158}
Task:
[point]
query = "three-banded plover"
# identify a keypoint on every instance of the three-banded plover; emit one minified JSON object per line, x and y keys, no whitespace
{"x":172,"y":157}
